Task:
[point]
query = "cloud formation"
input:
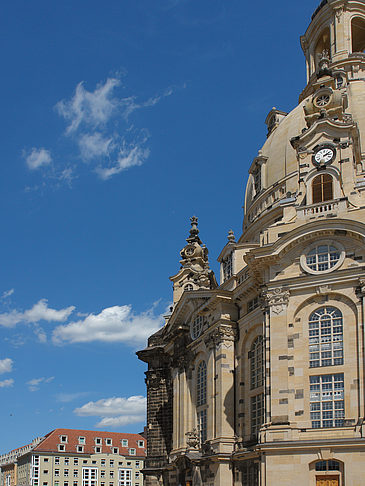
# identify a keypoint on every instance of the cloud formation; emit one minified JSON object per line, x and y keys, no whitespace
{"x":37,"y":157}
{"x":7,"y":383}
{"x":6,"y":365}
{"x":7,"y":294}
{"x":40,"y":311}
{"x":35,"y":383}
{"x":113,"y":324}
{"x":116,"y":411}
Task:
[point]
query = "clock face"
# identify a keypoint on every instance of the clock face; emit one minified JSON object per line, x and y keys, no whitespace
{"x":324,"y":155}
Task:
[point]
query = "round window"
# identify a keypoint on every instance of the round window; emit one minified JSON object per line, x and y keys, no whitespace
{"x":323,"y":257}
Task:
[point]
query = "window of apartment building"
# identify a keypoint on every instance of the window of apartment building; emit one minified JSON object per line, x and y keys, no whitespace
{"x":35,"y":460}
{"x":132,"y":452}
{"x":124,"y":442}
{"x":102,"y":462}
{"x":45,"y":459}
{"x":93,"y":462}
{"x":102,"y":483}
{"x":136,"y":474}
{"x":137,"y":463}
{"x":65,"y":473}
{"x":111,"y":483}
{"x":76,"y":461}
{"x":120,"y":463}
{"x":82,"y":440}
{"x":35,"y":482}
{"x":8,"y":479}
{"x":98,"y":440}
{"x":102,"y":473}
{"x":56,"y":483}
{"x":75,"y":483}
{"x":84,"y":461}
{"x":115,"y":450}
{"x":125,"y":477}
{"x":97,"y":449}
{"x":111,"y":474}
{"x":327,"y":400}
{"x":256,"y":363}
{"x":45,"y":483}
{"x":65,"y":483}
{"x":141,"y":443}
{"x":108,"y":442}
{"x":67,"y":461}
{"x":45,"y":471}
{"x":111,"y":463}
{"x":63,"y":438}
{"x":80,"y":448}
{"x":129,"y":463}
{"x":89,"y":476}
{"x":56,"y":460}
{"x":325,"y":337}
{"x":76,"y":473}
{"x":56,"y":472}
{"x":61,"y":447}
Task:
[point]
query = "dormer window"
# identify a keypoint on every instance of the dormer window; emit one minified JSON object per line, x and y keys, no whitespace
{"x":115,"y":450}
{"x":132,"y":452}
{"x":80,"y":448}
{"x":140,"y":443}
{"x":256,"y":173}
{"x":98,"y":440}
{"x":124,"y":442}
{"x":61,"y":448}
{"x":82,"y":440}
{"x":63,"y":438}
{"x":108,"y":442}
{"x":97,"y":449}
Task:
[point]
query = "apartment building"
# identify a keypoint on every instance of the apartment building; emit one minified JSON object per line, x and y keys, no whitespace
{"x":68,"y":457}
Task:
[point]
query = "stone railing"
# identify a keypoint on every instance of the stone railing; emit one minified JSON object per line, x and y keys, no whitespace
{"x":323,"y":209}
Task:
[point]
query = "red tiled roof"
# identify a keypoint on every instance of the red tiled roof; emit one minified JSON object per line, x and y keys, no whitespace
{"x":52,"y":440}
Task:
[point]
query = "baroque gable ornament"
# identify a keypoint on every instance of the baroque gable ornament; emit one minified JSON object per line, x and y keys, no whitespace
{"x":277,"y":299}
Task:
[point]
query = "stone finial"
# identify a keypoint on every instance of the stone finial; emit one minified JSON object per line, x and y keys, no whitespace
{"x":194,"y":232}
{"x":231,"y":238}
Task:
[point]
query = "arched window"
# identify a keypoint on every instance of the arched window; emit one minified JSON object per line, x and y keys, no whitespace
{"x":256,"y":381}
{"x":358,"y":34}
{"x":188,"y":287}
{"x":256,"y":363}
{"x":325,"y":337}
{"x":201,"y":400}
{"x":322,"y":188}
{"x":201,"y":384}
{"x":323,"y":46}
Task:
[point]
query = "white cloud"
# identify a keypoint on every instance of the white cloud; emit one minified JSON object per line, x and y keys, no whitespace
{"x":35,"y":383}
{"x":94,"y":145}
{"x":6,"y":365}
{"x":113,"y":324}
{"x":7,"y":293}
{"x":127,"y":158}
{"x":40,"y":311}
{"x":93,"y":108}
{"x":6,"y":383}
{"x":115,"y":411}
{"x":37,"y":158}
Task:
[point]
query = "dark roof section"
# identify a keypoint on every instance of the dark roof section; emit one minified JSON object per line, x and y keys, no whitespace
{"x":321,"y":5}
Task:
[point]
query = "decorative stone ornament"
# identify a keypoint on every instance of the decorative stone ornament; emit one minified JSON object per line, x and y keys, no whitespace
{"x":277,"y":299}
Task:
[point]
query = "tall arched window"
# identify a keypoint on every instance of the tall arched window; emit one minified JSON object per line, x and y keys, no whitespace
{"x":358,"y":34}
{"x":256,"y":381}
{"x":325,"y":337}
{"x":201,"y":400}
{"x":256,"y":363}
{"x":322,"y":188}
{"x":323,"y":46}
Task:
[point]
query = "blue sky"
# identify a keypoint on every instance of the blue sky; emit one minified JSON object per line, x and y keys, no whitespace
{"x":120,"y":120}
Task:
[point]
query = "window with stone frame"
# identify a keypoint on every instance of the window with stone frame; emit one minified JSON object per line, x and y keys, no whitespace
{"x":256,"y":174}
{"x":325,"y":337}
{"x":322,"y":188}
{"x":257,"y":413}
{"x":201,"y":400}
{"x":256,"y":363}
{"x":327,"y":405}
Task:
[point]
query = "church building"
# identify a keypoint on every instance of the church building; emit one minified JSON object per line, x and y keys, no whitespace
{"x":259,"y":379}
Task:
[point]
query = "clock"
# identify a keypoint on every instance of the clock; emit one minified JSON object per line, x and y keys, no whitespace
{"x":323,"y":154}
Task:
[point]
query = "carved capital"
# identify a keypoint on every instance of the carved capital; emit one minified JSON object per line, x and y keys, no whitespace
{"x":193,"y":439}
{"x":277,"y":299}
{"x":219,"y":335}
